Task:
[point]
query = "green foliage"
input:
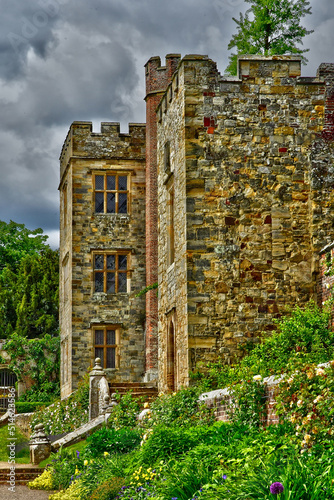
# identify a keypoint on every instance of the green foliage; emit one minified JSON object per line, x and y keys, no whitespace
{"x":179,"y":409}
{"x":303,"y":333}
{"x":270,"y":27}
{"x":113,"y":441}
{"x":37,"y":359}
{"x":167,"y":442}
{"x":29,"y":296}
{"x":28,"y":407}
{"x":147,"y":289}
{"x":125,"y":413}
{"x":66,"y":415}
{"x":248,"y":403}
{"x":17,"y":241}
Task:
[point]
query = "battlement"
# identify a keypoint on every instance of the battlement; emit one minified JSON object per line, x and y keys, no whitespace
{"x":157,"y":76}
{"x":255,"y":66}
{"x":81,"y":141}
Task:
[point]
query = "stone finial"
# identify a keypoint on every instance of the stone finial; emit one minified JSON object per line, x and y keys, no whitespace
{"x":97,"y":370}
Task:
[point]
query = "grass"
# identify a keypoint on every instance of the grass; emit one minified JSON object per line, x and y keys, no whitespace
{"x":23,"y":456}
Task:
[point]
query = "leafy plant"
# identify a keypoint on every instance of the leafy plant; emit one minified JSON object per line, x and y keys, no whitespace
{"x":126,"y":411}
{"x":66,"y":415}
{"x":306,"y":397}
{"x":248,"y":402}
{"x":179,"y":409}
{"x":113,"y":441}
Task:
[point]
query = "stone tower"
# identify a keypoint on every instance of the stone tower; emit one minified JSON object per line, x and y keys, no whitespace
{"x":102,"y":252}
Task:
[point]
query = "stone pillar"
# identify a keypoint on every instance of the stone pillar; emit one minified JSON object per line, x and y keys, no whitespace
{"x":40,"y":445}
{"x":95,"y":378}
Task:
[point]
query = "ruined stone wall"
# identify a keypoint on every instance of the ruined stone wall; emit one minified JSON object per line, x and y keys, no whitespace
{"x":258,"y":197}
{"x":85,"y":154}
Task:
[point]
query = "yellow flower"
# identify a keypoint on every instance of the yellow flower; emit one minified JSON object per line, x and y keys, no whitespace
{"x":85,"y":462}
{"x":257,"y":378}
{"x":146,"y":405}
{"x":105,"y":453}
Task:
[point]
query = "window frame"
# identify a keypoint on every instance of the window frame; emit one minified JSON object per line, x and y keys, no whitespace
{"x":116,"y":191}
{"x":116,"y":271}
{"x":116,"y":346}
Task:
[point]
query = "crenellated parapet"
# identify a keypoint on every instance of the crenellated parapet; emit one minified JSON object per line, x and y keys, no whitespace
{"x":157,"y":76}
{"x":82,"y":142}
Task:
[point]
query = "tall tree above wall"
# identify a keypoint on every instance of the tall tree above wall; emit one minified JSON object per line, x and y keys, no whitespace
{"x":270,"y":27}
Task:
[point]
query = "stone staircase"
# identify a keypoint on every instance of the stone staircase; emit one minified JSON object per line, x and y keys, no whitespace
{"x":23,"y":474}
{"x":145,"y":390}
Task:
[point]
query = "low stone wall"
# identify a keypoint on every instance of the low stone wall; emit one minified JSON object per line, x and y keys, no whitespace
{"x":221,"y":400}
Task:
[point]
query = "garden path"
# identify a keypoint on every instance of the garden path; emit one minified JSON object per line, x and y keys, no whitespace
{"x":23,"y":493}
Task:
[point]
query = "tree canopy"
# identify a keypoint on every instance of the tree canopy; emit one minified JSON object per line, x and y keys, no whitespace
{"x":29,"y":296}
{"x":17,"y":241}
{"x":270,"y":27}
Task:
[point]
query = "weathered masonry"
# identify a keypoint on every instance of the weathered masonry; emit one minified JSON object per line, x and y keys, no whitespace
{"x":225,"y":199}
{"x":245,"y":197}
{"x":102,"y":252}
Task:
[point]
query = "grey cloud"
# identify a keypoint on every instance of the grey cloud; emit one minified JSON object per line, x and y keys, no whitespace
{"x":83,"y":60}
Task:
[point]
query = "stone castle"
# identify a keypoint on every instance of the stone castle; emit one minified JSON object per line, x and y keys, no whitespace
{"x":224,"y":198}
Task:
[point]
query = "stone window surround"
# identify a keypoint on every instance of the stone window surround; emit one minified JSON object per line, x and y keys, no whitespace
{"x":105,"y":327}
{"x":117,"y":173}
{"x":116,"y":272}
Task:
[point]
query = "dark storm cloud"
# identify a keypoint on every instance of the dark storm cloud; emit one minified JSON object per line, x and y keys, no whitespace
{"x":24,"y":26}
{"x":66,"y":60}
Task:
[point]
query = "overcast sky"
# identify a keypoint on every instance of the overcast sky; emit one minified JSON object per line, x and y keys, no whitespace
{"x":67,"y":60}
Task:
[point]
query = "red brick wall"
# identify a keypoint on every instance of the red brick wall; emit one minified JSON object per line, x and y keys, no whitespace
{"x":157,"y":80}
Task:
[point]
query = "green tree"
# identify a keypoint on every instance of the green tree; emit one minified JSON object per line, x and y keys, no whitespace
{"x":29,"y":296}
{"x":17,"y":241}
{"x":270,"y":27}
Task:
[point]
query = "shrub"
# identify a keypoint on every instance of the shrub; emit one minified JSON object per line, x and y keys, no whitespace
{"x":28,"y":407}
{"x":248,"y":402}
{"x":179,"y":409}
{"x":112,"y":441}
{"x":306,"y":397}
{"x":67,"y":415}
{"x":125,"y":413}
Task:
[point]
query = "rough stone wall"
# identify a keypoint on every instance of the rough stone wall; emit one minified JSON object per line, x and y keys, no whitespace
{"x":173,"y":276}
{"x":85,"y":153}
{"x":258,"y":187}
{"x":157,"y":79}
